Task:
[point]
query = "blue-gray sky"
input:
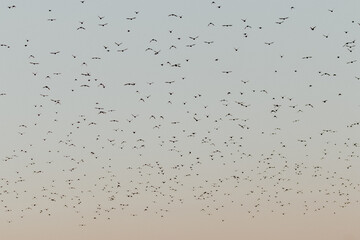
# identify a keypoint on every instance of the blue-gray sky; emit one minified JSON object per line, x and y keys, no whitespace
{"x":179,"y":119}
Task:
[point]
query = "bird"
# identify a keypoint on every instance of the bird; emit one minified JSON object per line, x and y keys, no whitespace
{"x":150,"y":110}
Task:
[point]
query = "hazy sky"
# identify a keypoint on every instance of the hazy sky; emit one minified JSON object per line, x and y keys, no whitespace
{"x":179,"y":119}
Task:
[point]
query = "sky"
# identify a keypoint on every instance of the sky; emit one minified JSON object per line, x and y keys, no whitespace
{"x":179,"y":119}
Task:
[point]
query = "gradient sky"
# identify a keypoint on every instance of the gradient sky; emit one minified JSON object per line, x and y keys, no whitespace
{"x":241,"y":120}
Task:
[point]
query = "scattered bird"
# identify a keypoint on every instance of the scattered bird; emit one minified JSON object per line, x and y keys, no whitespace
{"x":106,"y":129}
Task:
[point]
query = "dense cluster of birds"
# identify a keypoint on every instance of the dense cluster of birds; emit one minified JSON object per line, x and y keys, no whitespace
{"x":138,"y":114}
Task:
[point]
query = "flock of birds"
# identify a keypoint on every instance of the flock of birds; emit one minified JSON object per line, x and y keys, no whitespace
{"x":139,"y":119}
